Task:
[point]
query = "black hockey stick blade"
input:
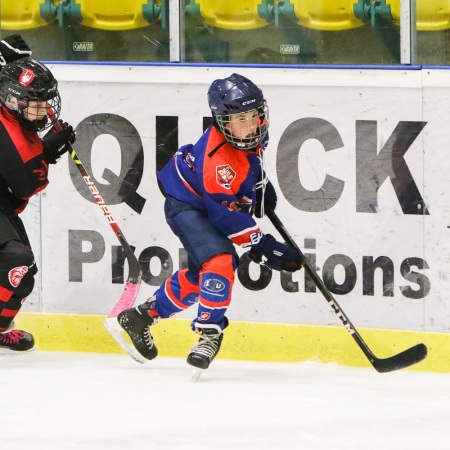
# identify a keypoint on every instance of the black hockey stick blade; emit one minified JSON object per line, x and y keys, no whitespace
{"x":399,"y":361}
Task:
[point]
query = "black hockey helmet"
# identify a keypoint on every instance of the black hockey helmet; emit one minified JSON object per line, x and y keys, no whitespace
{"x":28,"y":80}
{"x":236,"y":95}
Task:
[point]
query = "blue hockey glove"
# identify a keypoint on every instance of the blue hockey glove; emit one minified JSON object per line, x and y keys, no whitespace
{"x":12,"y":48}
{"x":276,"y":255}
{"x":268,"y":202}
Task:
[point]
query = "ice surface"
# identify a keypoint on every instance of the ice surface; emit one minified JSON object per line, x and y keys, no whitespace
{"x":53,"y":400}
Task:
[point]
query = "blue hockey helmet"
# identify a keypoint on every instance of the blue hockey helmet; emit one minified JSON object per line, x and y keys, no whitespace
{"x":233,"y":96}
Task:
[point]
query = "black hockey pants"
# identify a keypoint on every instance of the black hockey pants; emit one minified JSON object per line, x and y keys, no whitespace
{"x":17,"y":268}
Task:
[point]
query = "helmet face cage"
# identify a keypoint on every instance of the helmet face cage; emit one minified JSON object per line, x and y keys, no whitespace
{"x":27,"y":80}
{"x":239,"y":110}
{"x":53,"y":104}
{"x":245,"y":130}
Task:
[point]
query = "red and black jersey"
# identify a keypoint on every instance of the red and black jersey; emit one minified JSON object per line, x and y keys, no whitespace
{"x":23,"y":168}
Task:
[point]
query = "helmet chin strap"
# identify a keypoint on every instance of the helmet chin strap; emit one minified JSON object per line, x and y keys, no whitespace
{"x":264,"y":179}
{"x":36,"y":125}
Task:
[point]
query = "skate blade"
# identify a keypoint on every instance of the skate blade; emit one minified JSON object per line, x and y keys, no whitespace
{"x":196,"y":374}
{"x":120,"y":336}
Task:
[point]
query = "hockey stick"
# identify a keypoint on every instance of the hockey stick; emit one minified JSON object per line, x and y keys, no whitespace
{"x":133,"y":282}
{"x":401,"y":360}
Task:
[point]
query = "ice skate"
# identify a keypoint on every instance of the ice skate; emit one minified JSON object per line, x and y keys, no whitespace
{"x":16,"y":341}
{"x":136,"y":322}
{"x":206,"y":349}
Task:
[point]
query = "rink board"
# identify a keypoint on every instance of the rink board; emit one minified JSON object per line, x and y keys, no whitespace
{"x":243,"y":341}
{"x":358,"y":157}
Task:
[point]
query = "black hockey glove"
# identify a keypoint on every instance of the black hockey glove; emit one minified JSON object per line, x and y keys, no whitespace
{"x":13,"y":48}
{"x":269,"y":201}
{"x":56,"y":143}
{"x":276,"y":255}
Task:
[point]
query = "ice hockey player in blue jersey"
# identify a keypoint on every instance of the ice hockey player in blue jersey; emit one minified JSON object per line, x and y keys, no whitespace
{"x":213,"y":190}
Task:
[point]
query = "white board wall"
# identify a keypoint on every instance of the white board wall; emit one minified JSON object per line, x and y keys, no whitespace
{"x":356,"y":156}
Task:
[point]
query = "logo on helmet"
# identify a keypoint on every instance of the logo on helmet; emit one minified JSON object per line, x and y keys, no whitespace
{"x":26,"y":77}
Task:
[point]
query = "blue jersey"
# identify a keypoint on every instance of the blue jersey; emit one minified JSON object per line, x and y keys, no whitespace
{"x":219,"y":180}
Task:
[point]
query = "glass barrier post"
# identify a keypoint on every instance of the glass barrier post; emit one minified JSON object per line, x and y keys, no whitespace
{"x":176,"y":14}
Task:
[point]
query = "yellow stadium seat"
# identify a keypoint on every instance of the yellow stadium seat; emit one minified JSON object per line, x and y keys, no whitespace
{"x":431,"y":15}
{"x":231,"y":14}
{"x":113,"y":14}
{"x":326,"y":15}
{"x":21,"y":15}
{"x":395,"y":10}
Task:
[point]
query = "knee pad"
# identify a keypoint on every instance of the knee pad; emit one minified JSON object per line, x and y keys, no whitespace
{"x":17,"y":270}
{"x":216,"y":281}
{"x":24,"y":289}
{"x":16,"y":255}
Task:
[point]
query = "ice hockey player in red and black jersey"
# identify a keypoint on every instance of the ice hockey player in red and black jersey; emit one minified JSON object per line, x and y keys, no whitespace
{"x":27,"y":91}
{"x":213,"y":189}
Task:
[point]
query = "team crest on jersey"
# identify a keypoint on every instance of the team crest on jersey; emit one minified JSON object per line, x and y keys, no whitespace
{"x":225,"y":175}
{"x":15,"y":275}
{"x":26,"y":77}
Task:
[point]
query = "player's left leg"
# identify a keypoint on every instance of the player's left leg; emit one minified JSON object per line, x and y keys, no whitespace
{"x":216,"y":284}
{"x":17,"y":270}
